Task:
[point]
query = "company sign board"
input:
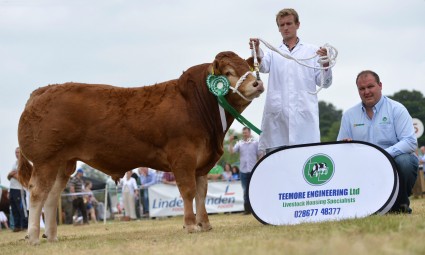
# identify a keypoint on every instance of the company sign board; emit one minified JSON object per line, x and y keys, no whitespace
{"x":322,"y":182}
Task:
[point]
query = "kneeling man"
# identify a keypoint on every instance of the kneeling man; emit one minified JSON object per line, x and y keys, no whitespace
{"x":387,"y":124}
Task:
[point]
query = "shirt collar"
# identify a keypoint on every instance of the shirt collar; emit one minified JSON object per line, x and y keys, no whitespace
{"x":287,"y":47}
{"x":377,"y":106}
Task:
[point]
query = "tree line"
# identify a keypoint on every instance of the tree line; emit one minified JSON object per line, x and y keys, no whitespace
{"x":330,"y":119}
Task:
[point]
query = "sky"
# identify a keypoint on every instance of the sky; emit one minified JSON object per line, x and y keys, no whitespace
{"x":132,"y":43}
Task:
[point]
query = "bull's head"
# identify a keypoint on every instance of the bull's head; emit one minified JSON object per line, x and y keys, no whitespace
{"x":243,"y":82}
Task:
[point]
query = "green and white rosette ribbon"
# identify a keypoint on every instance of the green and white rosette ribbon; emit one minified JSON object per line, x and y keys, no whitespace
{"x":223,"y":103}
{"x":218,"y":84}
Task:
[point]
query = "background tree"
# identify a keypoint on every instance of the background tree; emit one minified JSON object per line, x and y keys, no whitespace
{"x":329,"y":121}
{"x":414,"y":102}
{"x":94,"y":173}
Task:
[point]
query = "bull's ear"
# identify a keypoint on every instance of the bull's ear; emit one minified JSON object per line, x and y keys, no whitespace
{"x":250,"y":62}
{"x":215,"y":66}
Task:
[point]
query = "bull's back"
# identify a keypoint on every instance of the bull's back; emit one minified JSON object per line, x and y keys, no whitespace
{"x":94,"y":122}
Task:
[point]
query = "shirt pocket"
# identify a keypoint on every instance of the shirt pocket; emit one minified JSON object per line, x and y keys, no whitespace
{"x":386,"y":134}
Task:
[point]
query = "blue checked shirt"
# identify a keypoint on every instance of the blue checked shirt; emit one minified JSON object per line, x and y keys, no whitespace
{"x":391,"y":127}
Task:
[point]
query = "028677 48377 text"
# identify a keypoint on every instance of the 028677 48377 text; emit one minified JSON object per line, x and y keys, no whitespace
{"x":314,"y":212}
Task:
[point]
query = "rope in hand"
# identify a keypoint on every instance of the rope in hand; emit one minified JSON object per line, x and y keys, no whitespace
{"x":330,"y":58}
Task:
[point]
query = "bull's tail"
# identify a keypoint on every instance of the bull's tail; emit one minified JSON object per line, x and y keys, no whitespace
{"x":24,"y":170}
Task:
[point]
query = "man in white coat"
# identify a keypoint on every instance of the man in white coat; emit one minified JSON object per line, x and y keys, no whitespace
{"x":291,"y":113}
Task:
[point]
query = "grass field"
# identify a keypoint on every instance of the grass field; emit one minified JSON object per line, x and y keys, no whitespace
{"x":235,"y":234}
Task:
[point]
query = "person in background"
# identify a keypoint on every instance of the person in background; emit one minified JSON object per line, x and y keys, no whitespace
{"x":3,"y":220}
{"x":168,"y":178}
{"x":235,"y":173}
{"x":291,"y":112}
{"x":17,"y":198}
{"x":227,"y":174}
{"x":216,"y":173}
{"x":386,"y":123}
{"x":248,"y":154}
{"x":159,"y":175}
{"x":147,"y":179}
{"x":76,"y":188}
{"x":129,"y":195}
{"x":91,"y":201}
{"x":421,"y":156}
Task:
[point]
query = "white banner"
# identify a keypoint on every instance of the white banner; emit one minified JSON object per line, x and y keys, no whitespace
{"x":320,"y":182}
{"x":165,"y":200}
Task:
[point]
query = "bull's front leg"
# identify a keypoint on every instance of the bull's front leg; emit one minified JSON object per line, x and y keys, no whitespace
{"x":201,"y":212}
{"x":183,"y":168}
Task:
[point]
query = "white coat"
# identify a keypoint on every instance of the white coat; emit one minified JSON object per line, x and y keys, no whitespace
{"x":291,"y":114}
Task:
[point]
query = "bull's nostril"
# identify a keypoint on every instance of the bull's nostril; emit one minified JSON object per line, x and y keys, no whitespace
{"x":255,"y":84}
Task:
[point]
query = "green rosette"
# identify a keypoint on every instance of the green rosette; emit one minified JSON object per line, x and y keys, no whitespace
{"x":218,"y":85}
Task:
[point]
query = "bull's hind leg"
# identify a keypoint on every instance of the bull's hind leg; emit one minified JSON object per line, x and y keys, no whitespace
{"x":51,"y":204}
{"x":41,"y":182}
{"x":201,"y":212}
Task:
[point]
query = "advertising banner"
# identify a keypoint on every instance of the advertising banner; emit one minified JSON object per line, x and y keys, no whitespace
{"x":165,"y":200}
{"x":324,"y":181}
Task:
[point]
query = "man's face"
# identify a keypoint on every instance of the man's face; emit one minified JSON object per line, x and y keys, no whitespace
{"x":370,"y":90}
{"x":246,"y":133}
{"x":143,"y":171}
{"x":423,"y":149}
{"x":287,"y":27}
{"x":17,"y":152}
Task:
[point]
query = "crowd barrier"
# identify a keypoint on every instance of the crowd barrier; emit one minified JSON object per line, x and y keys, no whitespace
{"x":164,"y":200}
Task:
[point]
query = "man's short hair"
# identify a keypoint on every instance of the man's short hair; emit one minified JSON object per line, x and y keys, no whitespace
{"x":246,"y":128}
{"x":366,"y":72}
{"x":287,"y":12}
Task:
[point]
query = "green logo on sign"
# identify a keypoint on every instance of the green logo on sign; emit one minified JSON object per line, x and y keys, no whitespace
{"x":318,"y":169}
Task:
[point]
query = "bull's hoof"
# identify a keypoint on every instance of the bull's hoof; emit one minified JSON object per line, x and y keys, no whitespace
{"x":205,"y":226}
{"x":33,"y":241}
{"x":52,"y":240}
{"x":191,"y":228}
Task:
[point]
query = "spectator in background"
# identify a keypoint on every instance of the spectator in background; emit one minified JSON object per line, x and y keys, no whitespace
{"x":421,"y":156}
{"x":386,"y":123}
{"x":235,"y":173}
{"x":91,"y":201}
{"x":129,"y":195}
{"x":159,"y":175}
{"x":17,"y":198}
{"x":215,"y":173}
{"x":3,"y":220}
{"x":147,"y":179}
{"x":76,"y":189}
{"x":168,"y":178}
{"x":227,"y":174}
{"x":248,"y":154}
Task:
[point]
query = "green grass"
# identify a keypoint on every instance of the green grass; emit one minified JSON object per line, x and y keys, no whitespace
{"x":236,"y":234}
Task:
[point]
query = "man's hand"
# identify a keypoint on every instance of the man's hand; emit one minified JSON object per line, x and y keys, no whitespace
{"x":12,"y":174}
{"x":322,"y":52}
{"x":347,"y":140}
{"x":257,"y":44}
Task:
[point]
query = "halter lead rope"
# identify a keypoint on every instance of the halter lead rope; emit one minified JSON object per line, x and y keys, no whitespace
{"x":331,"y":54}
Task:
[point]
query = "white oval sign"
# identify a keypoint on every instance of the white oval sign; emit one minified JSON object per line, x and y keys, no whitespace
{"x":319,"y":182}
{"x":419,"y":127}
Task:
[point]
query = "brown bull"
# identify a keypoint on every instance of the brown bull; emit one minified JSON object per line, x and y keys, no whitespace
{"x":172,"y":126}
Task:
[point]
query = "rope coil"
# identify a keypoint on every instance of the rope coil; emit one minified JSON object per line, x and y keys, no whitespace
{"x":330,"y":58}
